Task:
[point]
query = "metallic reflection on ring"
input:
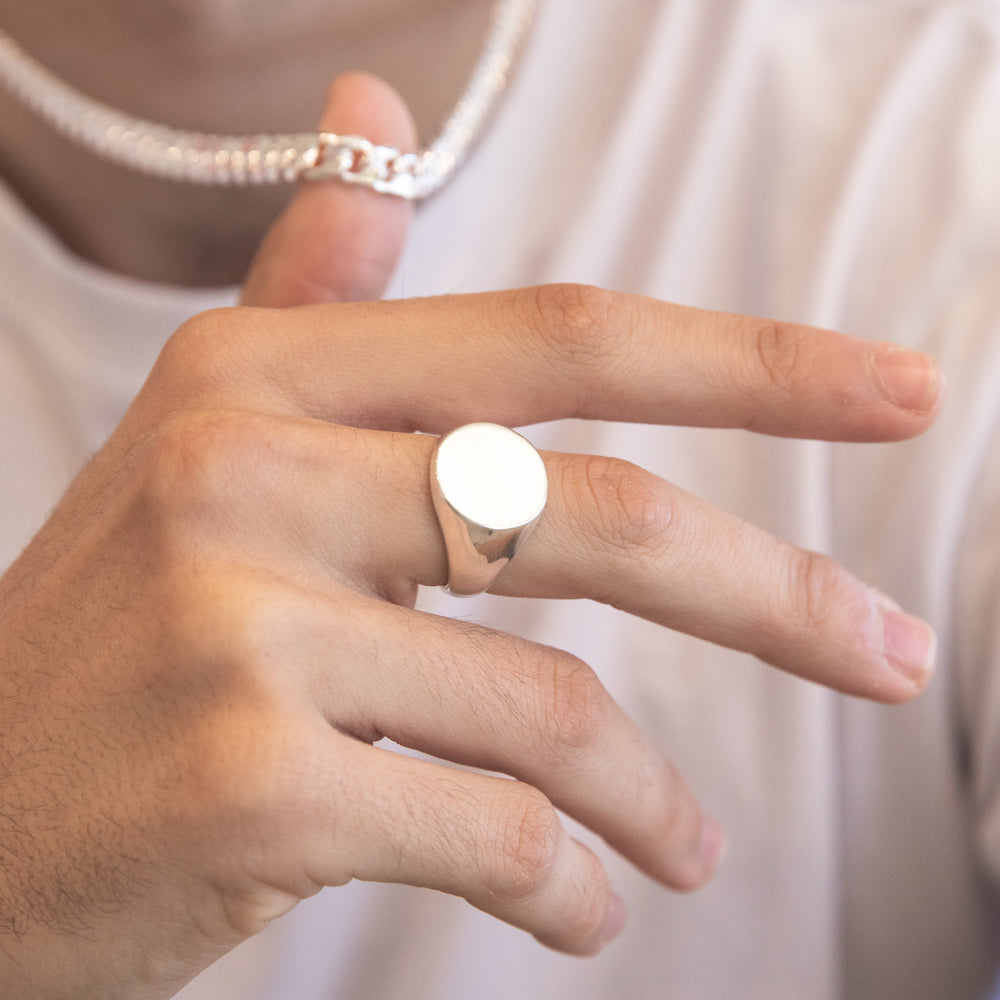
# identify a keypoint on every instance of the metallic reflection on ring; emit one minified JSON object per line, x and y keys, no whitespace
{"x":489,"y":488}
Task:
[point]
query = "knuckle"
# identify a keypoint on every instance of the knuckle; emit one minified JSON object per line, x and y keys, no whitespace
{"x":625,"y":509}
{"x":224,"y":691}
{"x":574,"y":707}
{"x":193,"y":460}
{"x":817,"y":583}
{"x":580,"y":322}
{"x":224,"y":634}
{"x":527,"y":834}
{"x":229,"y":624}
{"x":206,"y":356}
{"x":194,"y":350}
{"x":778,"y":353}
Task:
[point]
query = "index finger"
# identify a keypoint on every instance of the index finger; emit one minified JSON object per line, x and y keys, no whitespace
{"x":553,"y":352}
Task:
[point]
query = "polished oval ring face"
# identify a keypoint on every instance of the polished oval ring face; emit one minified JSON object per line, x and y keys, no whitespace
{"x":492,"y":476}
{"x":489,"y":487}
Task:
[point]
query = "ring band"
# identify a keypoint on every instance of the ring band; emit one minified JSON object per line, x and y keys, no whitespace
{"x":489,"y":488}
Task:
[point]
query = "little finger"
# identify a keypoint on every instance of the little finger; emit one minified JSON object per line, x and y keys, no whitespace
{"x":498,"y":843}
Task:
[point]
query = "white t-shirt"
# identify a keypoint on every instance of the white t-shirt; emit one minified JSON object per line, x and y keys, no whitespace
{"x":830,"y":161}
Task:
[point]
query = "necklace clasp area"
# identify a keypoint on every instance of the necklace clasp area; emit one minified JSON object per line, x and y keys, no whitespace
{"x":356,"y":160}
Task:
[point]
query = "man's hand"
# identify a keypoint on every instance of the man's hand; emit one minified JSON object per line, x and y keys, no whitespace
{"x":203,"y":644}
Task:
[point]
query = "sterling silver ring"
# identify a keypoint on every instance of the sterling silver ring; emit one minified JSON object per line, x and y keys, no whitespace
{"x":489,"y":488}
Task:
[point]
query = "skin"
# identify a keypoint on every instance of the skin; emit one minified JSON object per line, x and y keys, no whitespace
{"x":204,"y":643}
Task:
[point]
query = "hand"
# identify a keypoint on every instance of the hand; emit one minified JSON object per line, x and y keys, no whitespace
{"x":205,"y":640}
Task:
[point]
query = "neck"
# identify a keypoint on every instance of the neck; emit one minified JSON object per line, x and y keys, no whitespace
{"x":209,"y":65}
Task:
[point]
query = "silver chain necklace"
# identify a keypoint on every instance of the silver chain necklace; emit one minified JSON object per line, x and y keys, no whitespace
{"x":200,"y":158}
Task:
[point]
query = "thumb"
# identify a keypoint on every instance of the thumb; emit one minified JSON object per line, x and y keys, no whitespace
{"x":336,"y":241}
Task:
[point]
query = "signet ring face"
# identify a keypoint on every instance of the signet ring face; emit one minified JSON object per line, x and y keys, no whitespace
{"x":489,"y":488}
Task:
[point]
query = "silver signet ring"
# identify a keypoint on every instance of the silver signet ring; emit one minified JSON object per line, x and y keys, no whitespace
{"x":489,"y":488}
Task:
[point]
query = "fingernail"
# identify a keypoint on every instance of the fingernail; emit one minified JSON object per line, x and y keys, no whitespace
{"x":907,"y":379}
{"x":909,"y":644}
{"x":614,"y":918}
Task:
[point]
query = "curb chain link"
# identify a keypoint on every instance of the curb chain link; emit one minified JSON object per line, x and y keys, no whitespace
{"x":202,"y":158}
